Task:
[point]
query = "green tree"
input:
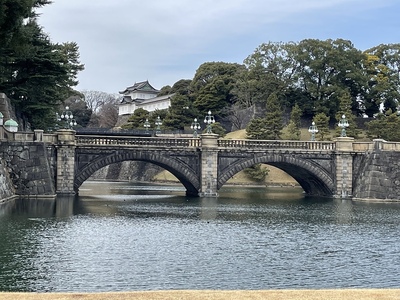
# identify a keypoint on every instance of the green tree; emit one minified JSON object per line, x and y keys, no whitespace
{"x":181,"y":112}
{"x":383,"y":68}
{"x":322,"y":122}
{"x":256,"y":129}
{"x":273,"y":118}
{"x":77,"y":105}
{"x":216,"y":128}
{"x":345,"y":110}
{"x":137,"y":119}
{"x":212,"y":85}
{"x":385,"y":126}
{"x":257,"y":172}
{"x":36,"y":74}
{"x":153,"y":117}
{"x":326,"y":69}
{"x":293,"y":128}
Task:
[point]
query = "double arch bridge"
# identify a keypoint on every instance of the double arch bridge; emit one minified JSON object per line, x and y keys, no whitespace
{"x":203,"y":165}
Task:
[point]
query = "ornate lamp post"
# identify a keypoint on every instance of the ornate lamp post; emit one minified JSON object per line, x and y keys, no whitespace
{"x":158,"y":124}
{"x":313,"y":130}
{"x":209,"y":119}
{"x":146,"y":125}
{"x":68,"y":118}
{"x":195,"y":126}
{"x":343,"y":123}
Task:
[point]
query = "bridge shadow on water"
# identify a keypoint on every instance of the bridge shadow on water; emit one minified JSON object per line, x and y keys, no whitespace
{"x":107,"y":198}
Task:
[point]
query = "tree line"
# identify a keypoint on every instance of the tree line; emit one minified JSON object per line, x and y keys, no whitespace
{"x":322,"y":80}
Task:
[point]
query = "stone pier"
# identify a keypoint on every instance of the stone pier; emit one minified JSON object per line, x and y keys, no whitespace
{"x":344,"y":167}
{"x":209,"y":165}
{"x":65,"y":161}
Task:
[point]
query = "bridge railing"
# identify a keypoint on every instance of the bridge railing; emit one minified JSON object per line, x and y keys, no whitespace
{"x":363,"y":146}
{"x":390,"y":146}
{"x":137,"y":141}
{"x":276,"y":144}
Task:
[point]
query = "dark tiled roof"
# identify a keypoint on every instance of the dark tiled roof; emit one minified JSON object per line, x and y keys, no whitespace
{"x":126,"y":99}
{"x":140,"y":86}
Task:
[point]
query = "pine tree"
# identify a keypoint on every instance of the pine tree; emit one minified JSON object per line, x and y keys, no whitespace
{"x":273,"y":118}
{"x":257,"y":172}
{"x":345,"y":110}
{"x":293,"y":128}
{"x":322,"y":122}
{"x":385,"y":126}
{"x":256,"y":129}
{"x":137,"y":120}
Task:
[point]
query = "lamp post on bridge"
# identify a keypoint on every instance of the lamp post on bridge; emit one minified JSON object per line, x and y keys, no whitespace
{"x":158,"y":124}
{"x":209,"y":120}
{"x":313,"y":130}
{"x":146,"y":125}
{"x":343,"y":123}
{"x":195,"y":126}
{"x":68,"y":118}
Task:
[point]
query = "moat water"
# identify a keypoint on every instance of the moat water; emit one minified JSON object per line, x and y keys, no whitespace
{"x":126,"y":236}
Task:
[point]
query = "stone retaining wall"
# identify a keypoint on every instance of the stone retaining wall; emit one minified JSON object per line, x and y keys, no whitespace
{"x":28,"y":167}
{"x":6,"y":186}
{"x":379,"y":178}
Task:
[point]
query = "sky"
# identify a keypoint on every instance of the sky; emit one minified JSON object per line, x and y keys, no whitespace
{"x":126,"y":41}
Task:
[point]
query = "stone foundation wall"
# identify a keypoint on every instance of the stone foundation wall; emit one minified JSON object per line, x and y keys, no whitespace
{"x":28,"y":167}
{"x":6,"y":186}
{"x":379,"y":177}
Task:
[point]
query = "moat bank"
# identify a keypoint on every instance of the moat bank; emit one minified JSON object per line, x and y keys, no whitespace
{"x":339,"y":294}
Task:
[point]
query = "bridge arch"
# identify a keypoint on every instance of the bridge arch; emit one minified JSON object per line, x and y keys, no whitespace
{"x":313,"y":178}
{"x":178,"y":167}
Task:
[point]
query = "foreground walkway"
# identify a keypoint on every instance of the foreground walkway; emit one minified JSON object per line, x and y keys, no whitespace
{"x":346,"y":294}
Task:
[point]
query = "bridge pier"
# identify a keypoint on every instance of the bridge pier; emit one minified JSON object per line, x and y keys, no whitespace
{"x":65,"y":161}
{"x":344,"y":167}
{"x":209,"y":165}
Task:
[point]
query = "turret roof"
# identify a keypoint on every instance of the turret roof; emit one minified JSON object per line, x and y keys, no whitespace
{"x":140,"y":86}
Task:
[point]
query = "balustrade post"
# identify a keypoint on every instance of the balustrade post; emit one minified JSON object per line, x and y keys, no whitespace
{"x":65,"y":161}
{"x":38,"y":135}
{"x":209,"y":165}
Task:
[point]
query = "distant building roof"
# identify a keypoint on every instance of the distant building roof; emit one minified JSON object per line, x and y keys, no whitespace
{"x":156,"y":99}
{"x":144,"y":86}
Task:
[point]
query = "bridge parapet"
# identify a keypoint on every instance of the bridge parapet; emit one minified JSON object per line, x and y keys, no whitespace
{"x":363,"y":146}
{"x":386,"y":146}
{"x":277,"y":144}
{"x":137,"y":141}
{"x":377,"y":144}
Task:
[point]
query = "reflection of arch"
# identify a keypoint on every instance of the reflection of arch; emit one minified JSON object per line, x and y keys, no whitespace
{"x":312,"y":178}
{"x":186,"y":175}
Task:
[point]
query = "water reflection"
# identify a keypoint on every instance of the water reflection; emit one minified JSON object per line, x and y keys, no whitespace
{"x":124,"y":236}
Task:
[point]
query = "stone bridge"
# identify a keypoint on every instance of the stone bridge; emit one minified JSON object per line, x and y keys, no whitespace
{"x":341,"y":168}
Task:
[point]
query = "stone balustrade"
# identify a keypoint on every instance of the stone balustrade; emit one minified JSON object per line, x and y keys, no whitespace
{"x":276,"y":144}
{"x":137,"y":141}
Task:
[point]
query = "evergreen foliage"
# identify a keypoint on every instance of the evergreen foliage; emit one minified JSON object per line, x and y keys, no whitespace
{"x":216,"y":128}
{"x":36,"y":74}
{"x":293,"y":128}
{"x":257,"y":172}
{"x":322,"y":122}
{"x":212,"y":87}
{"x":273,"y":118}
{"x":137,"y":120}
{"x":256,"y":129}
{"x":385,"y":126}
{"x":345,"y":109}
